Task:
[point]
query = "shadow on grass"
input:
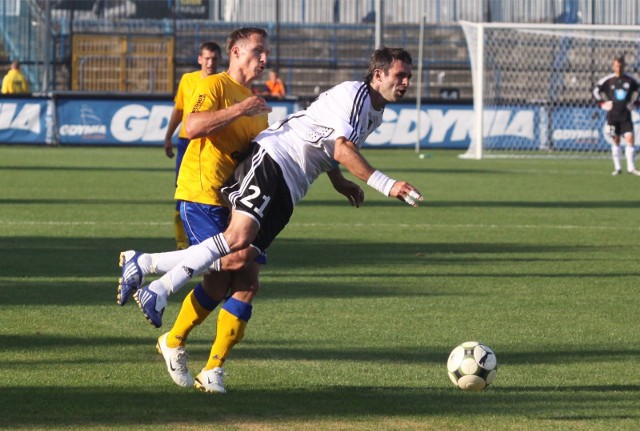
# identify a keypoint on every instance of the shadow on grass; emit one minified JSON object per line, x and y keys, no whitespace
{"x":98,"y":257}
{"x":36,"y":406}
{"x":71,"y":271}
{"x":252,"y":349}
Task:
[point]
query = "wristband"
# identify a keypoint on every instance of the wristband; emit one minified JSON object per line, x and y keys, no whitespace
{"x":381,"y":182}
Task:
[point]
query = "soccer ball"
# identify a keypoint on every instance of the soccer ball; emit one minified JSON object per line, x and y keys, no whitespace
{"x":472,"y":366}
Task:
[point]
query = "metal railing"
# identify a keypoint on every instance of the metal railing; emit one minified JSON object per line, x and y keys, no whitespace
{"x":331,"y":34}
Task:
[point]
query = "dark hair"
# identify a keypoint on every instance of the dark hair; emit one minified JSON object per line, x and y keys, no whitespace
{"x":619,"y":59}
{"x":382,"y":59}
{"x":242,"y":34}
{"x":211,"y":46}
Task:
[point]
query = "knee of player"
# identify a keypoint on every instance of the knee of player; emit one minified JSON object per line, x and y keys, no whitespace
{"x":235,"y":261}
{"x":245,"y":292}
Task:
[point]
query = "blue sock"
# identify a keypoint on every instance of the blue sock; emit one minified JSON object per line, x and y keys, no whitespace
{"x":242,"y":310}
{"x":203,"y":299}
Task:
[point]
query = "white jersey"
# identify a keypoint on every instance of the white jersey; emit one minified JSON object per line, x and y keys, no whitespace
{"x":303,"y":143}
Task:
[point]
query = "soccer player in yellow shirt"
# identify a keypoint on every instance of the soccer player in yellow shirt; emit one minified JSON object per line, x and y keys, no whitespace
{"x":223,"y":119}
{"x":208,"y":59}
{"x":285,"y":160}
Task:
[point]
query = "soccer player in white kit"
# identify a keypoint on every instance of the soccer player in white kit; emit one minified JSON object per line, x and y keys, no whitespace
{"x":286,"y":158}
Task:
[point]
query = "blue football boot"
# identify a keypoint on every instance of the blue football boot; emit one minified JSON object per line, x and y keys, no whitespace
{"x":132,"y":276}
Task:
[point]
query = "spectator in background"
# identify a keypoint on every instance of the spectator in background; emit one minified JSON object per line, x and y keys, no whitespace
{"x":208,"y":59}
{"x":275,"y":85}
{"x":14,"y":81}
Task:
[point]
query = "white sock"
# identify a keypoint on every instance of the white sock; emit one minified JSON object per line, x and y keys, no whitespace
{"x":629,"y":153}
{"x":197,"y":259}
{"x":615,"y":155}
{"x":160,"y":287}
{"x":145,"y":264}
{"x":161,"y":263}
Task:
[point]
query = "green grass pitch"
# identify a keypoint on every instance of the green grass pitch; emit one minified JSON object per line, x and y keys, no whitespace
{"x":358,"y":309}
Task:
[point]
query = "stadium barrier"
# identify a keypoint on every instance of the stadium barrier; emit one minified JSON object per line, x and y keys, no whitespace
{"x":72,"y":119}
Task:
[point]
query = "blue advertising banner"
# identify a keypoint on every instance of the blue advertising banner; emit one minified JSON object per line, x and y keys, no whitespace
{"x":100,"y":120}
{"x":522,"y":127}
{"x":441,"y":126}
{"x":585,"y":129}
{"x":526,"y":127}
{"x":112,"y":122}
{"x":26,"y":120}
{"x":123,"y":122}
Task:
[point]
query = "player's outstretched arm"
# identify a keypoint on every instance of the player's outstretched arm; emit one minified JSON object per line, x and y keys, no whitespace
{"x":347,"y":154}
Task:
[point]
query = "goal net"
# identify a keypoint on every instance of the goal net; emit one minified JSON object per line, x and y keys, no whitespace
{"x":533,"y":87}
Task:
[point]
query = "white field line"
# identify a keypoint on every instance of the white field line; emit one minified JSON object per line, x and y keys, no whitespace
{"x":334,"y":225}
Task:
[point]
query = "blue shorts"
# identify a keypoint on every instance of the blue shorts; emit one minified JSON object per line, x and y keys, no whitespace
{"x":202,"y":221}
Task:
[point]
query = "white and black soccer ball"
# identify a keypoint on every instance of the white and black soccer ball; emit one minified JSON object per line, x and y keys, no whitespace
{"x":472,"y":366}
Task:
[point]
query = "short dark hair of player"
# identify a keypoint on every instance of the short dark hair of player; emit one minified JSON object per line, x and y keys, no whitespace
{"x":211,"y":46}
{"x":242,"y":34}
{"x":382,"y":59}
{"x":619,"y":59}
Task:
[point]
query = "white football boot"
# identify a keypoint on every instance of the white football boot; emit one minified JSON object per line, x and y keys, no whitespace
{"x":211,"y":380}
{"x":176,"y":360}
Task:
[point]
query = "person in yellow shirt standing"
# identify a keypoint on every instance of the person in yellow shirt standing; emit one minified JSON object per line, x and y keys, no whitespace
{"x":14,"y":81}
{"x":208,"y":59}
{"x":223,"y":119}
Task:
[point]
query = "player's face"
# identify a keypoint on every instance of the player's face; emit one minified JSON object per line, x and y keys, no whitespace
{"x":618,"y":68}
{"x":208,"y":61}
{"x":393,"y":85}
{"x":253,"y":54}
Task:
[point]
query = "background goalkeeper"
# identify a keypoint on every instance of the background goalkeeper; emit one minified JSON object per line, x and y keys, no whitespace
{"x":617,"y":93}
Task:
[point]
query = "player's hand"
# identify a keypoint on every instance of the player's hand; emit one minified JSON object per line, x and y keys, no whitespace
{"x":254,"y":105}
{"x":607,"y":105}
{"x":351,"y":190}
{"x":168,"y":147}
{"x":406,"y":193}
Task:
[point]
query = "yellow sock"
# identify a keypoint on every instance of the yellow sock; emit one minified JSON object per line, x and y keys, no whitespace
{"x":191,"y":314}
{"x":181,"y":236}
{"x":229,"y":332}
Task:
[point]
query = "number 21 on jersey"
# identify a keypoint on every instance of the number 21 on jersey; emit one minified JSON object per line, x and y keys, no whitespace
{"x":255,"y":193}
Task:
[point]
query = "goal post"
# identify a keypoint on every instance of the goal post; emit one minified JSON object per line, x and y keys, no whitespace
{"x":533,"y":87}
